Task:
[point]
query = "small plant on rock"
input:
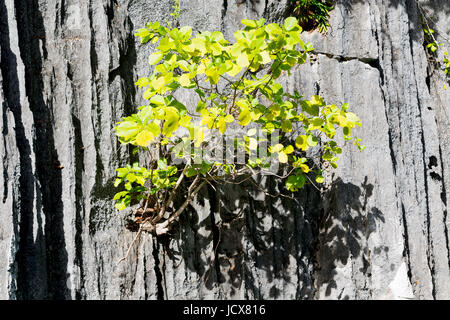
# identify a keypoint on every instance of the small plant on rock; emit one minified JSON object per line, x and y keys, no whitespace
{"x":433,"y":47}
{"x":235,"y":89}
{"x":313,"y":13}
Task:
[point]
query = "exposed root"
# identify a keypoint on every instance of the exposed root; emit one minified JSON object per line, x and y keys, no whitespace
{"x":144,"y":217}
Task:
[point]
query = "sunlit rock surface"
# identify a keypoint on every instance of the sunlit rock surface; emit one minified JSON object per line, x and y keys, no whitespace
{"x":378,"y":231}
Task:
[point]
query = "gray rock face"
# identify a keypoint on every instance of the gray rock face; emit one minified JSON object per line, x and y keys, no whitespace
{"x":379,"y":230}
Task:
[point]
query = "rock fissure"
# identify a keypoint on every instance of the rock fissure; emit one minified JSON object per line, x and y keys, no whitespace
{"x":67,"y":76}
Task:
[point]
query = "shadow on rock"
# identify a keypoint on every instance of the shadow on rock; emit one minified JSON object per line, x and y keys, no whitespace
{"x":261,"y":244}
{"x":344,"y":229}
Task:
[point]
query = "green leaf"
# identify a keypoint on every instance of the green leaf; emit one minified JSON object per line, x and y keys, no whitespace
{"x":320,"y":179}
{"x":184,"y":62}
{"x":191,"y":172}
{"x":290,"y":23}
{"x":286,"y":125}
{"x":316,"y":123}
{"x":346,"y":131}
{"x":295,"y":182}
{"x":312,"y":141}
{"x":145,"y":114}
{"x":301,"y":142}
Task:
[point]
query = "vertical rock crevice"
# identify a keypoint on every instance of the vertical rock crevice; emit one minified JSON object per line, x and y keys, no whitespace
{"x":67,"y":75}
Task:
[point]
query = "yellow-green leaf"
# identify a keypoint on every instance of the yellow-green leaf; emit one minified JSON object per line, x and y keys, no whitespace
{"x":317,"y":100}
{"x":144,"y":138}
{"x":312,"y":141}
{"x":304,"y":168}
{"x":185,"y":121}
{"x":213,"y":74}
{"x":158,"y":83}
{"x":207,"y":118}
{"x":277,"y":148}
{"x":290,"y":23}
{"x":265,"y":57}
{"x":282,"y":157}
{"x":222,"y":125}
{"x":158,"y":100}
{"x":252,"y":144}
{"x":184,"y":80}
{"x":242,"y":60}
{"x":153,"y":128}
{"x":289,"y":149}
{"x":341,"y":120}
{"x":352,"y":117}
{"x":148,"y":93}
{"x":235,"y":70}
{"x":172,"y":121}
{"x":229,"y":118}
{"x":154,"y":58}
{"x":199,"y":135}
{"x":250,"y":23}
{"x":127,"y":129}
{"x":145,"y":114}
{"x":245,"y":117}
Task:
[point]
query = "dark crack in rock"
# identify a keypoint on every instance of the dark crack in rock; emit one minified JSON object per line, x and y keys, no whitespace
{"x":380,"y":230}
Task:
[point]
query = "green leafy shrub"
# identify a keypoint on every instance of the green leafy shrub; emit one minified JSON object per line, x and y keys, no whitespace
{"x":313,"y":13}
{"x":236,"y":88}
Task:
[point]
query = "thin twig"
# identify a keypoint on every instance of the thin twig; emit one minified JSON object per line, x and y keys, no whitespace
{"x":313,"y":183}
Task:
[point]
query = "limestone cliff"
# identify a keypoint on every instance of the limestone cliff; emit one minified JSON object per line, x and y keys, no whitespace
{"x":379,"y":230}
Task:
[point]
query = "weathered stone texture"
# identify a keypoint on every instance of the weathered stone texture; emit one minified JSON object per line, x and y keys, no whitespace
{"x":379,"y":229}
